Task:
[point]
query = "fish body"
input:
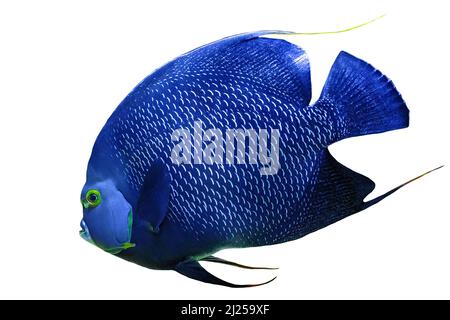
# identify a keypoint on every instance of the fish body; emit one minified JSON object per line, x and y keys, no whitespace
{"x":177,"y":186}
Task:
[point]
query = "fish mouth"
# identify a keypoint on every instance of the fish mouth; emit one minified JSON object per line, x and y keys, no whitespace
{"x":84,"y":233}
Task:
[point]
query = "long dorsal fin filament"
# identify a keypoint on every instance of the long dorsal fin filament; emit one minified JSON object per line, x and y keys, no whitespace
{"x":335,"y":31}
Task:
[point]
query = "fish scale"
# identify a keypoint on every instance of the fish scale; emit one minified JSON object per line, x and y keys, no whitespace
{"x":292,"y":163}
{"x":167,"y":215}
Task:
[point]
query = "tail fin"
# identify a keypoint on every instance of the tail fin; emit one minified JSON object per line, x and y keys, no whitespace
{"x":363,"y":99}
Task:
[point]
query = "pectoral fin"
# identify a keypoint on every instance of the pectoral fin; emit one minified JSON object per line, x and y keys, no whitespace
{"x":192,"y":269}
{"x":154,"y":196}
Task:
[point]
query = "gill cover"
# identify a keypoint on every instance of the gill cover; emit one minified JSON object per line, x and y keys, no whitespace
{"x":107,"y":217}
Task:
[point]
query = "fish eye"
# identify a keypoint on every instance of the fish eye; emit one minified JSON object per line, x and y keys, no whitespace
{"x":93,"y":198}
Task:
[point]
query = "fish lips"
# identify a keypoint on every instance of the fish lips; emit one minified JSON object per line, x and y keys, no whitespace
{"x":84,"y":232}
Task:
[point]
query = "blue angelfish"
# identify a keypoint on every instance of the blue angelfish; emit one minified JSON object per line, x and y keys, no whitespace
{"x":221,"y":148}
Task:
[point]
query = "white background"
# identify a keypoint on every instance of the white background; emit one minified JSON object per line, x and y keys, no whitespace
{"x":65,"y":66}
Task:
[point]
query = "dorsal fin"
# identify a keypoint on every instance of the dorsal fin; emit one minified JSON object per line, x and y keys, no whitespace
{"x":276,"y":63}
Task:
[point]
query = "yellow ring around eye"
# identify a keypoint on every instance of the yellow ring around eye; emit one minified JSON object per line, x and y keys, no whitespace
{"x":93,"y":198}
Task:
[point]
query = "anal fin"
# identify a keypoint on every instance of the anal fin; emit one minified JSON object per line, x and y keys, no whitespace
{"x":338,"y":193}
